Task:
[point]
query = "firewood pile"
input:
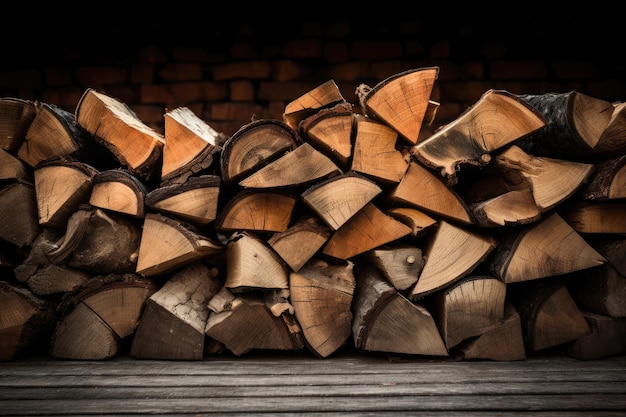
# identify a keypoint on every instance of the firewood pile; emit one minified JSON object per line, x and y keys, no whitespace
{"x":343,"y":225}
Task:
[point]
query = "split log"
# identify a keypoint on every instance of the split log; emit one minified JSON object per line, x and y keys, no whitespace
{"x":27,"y":321}
{"x":298,"y":168}
{"x":469,"y":307}
{"x":95,"y":318}
{"x":503,"y":341}
{"x":607,"y":182}
{"x":321,"y":295}
{"x":61,"y":186}
{"x":253,"y":321}
{"x":400,"y":264}
{"x":172,"y":324}
{"x":550,"y":316}
{"x":194,"y":201}
{"x":596,"y":216}
{"x":252,"y":264}
{"x":400,"y":101}
{"x":434,"y":197}
{"x":600,"y":290}
{"x":253,"y":146}
{"x":13,"y":168}
{"x":330,"y":131}
{"x":19,"y":215}
{"x":167,"y":244}
{"x":300,"y":242}
{"x":337,"y":199}
{"x":452,"y":253}
{"x":547,"y":248}
{"x":113,"y":124}
{"x":496,"y":120}
{"x":386,"y":321}
{"x":120,"y":191}
{"x":419,"y":222}
{"x":191,"y":146}
{"x":321,"y":97}
{"x":16,"y":115}
{"x":607,"y":338}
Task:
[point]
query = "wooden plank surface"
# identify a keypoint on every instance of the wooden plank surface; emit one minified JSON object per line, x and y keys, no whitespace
{"x":290,"y":384}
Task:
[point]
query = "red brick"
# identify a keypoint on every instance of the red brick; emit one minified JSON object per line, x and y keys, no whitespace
{"x":180,"y":71}
{"x":98,"y":76}
{"x":257,"y":69}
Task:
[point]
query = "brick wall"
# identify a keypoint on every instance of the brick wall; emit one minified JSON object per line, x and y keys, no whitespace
{"x":228,"y":71}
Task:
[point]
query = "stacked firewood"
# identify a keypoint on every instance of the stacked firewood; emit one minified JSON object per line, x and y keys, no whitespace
{"x":343,"y":225}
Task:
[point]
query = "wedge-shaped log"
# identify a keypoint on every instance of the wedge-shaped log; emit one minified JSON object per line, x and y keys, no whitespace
{"x":400,"y":101}
{"x":52,"y":134}
{"x":19,"y":214}
{"x":167,"y":244}
{"x":61,"y":186}
{"x":574,"y":127}
{"x":503,"y":341}
{"x":253,"y":146}
{"x":421,"y":189}
{"x":112,"y":123}
{"x":613,"y":138}
{"x":596,"y":216}
{"x":330,"y":131}
{"x":321,"y":295}
{"x":300,"y":167}
{"x":337,"y":199}
{"x":13,"y":168}
{"x":96,"y":317}
{"x":496,"y":120}
{"x":399,"y":263}
{"x":194,"y":201}
{"x":469,"y":307}
{"x":375,"y":154}
{"x":386,"y":321}
{"x":512,"y":207}
{"x":191,"y":145}
{"x":300,"y":242}
{"x":600,"y":290}
{"x":253,"y":321}
{"x":172,"y":325}
{"x":547,"y":248}
{"x":452,"y":252}
{"x":419,"y":222}
{"x":16,"y":115}
{"x":261,"y":211}
{"x":323,"y":96}
{"x":120,"y":191}
{"x":366,"y":230}
{"x":252,"y":264}
{"x":550,"y":317}
{"x":26,"y":319}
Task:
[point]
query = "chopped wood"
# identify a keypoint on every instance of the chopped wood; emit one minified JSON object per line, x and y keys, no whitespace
{"x":434,"y":197}
{"x":16,"y":116}
{"x":544,"y":249}
{"x":252,"y":264}
{"x":253,"y":146}
{"x":300,"y":167}
{"x":323,"y":96}
{"x":600,"y":290}
{"x":452,"y":252}
{"x":469,"y":307}
{"x":167,"y":244}
{"x":116,"y":126}
{"x":261,"y":211}
{"x":119,"y":190}
{"x":399,"y":263}
{"x":246,"y":322}
{"x":191,"y":146}
{"x":300,"y":242}
{"x":337,"y":199}
{"x":607,"y":182}
{"x":496,"y":120}
{"x":194,"y":201}
{"x":13,"y":168}
{"x":330,"y":131}
{"x":605,"y":216}
{"x":367,"y":229}
{"x":62,"y":186}
{"x":607,"y":338}
{"x":386,"y":321}
{"x":172,"y":325}
{"x":419,"y":222}
{"x":321,"y":294}
{"x":19,"y":215}
{"x":400,"y":101}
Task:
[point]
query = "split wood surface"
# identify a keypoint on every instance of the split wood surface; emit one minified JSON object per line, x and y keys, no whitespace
{"x":499,"y":235}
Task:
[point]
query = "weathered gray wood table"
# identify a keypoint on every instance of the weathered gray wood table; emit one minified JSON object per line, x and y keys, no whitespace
{"x":290,"y":384}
